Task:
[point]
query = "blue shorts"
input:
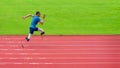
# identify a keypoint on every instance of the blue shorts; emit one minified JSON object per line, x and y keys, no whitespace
{"x":33,"y":29}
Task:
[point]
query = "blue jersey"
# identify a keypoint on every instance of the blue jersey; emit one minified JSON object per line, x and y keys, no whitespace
{"x":35,"y":21}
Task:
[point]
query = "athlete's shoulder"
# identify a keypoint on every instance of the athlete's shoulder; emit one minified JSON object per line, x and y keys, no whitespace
{"x":34,"y":16}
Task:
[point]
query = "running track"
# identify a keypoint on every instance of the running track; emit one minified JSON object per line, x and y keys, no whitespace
{"x":60,"y":52}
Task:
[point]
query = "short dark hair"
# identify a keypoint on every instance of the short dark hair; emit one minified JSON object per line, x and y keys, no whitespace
{"x":37,"y":12}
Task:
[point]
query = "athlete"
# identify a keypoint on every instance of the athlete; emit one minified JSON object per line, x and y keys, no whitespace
{"x":35,"y":20}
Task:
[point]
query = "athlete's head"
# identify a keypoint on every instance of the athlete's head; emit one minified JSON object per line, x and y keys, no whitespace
{"x":38,"y":13}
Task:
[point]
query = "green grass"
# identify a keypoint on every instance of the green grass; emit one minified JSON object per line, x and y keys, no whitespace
{"x":63,"y":16}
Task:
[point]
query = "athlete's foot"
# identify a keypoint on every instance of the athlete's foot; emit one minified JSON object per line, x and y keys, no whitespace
{"x":42,"y":33}
{"x":27,"y":39}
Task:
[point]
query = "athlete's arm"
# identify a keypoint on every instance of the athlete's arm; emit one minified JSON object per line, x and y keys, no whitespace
{"x":42,"y":21}
{"x":29,"y":15}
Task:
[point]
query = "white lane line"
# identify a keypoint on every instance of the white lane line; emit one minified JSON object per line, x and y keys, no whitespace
{"x":66,"y":37}
{"x":34,"y":63}
{"x":36,"y":44}
{"x":25,"y":58}
{"x":49,"y":63}
{"x":70,"y":58}
{"x":52,"y":53}
{"x":9,"y":42}
{"x":57,"y":41}
{"x":17,"y":63}
{"x":59,"y":49}
{"x":65,"y":40}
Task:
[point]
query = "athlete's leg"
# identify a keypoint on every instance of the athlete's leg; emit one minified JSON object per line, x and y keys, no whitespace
{"x":30,"y":34}
{"x":41,"y":30}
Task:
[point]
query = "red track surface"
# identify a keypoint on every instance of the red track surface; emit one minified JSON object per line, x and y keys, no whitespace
{"x":60,"y":52}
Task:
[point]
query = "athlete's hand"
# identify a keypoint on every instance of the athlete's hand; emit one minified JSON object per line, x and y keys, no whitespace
{"x":23,"y":17}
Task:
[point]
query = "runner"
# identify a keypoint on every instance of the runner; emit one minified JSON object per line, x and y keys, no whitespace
{"x":35,"y":20}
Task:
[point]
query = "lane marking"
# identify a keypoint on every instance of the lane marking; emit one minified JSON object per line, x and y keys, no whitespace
{"x":66,"y":37}
{"x":34,"y":63}
{"x":59,"y":49}
{"x":59,"y":58}
{"x":52,"y":53}
{"x":50,"y":63}
{"x":14,"y":42}
{"x":95,"y":45}
{"x":61,"y":40}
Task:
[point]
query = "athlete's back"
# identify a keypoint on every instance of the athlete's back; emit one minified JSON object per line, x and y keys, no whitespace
{"x":35,"y":21}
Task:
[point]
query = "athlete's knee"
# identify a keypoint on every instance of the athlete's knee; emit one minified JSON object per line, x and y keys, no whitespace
{"x":41,"y":30}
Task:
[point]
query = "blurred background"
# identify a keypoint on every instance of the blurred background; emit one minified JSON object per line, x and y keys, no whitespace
{"x":64,"y":17}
